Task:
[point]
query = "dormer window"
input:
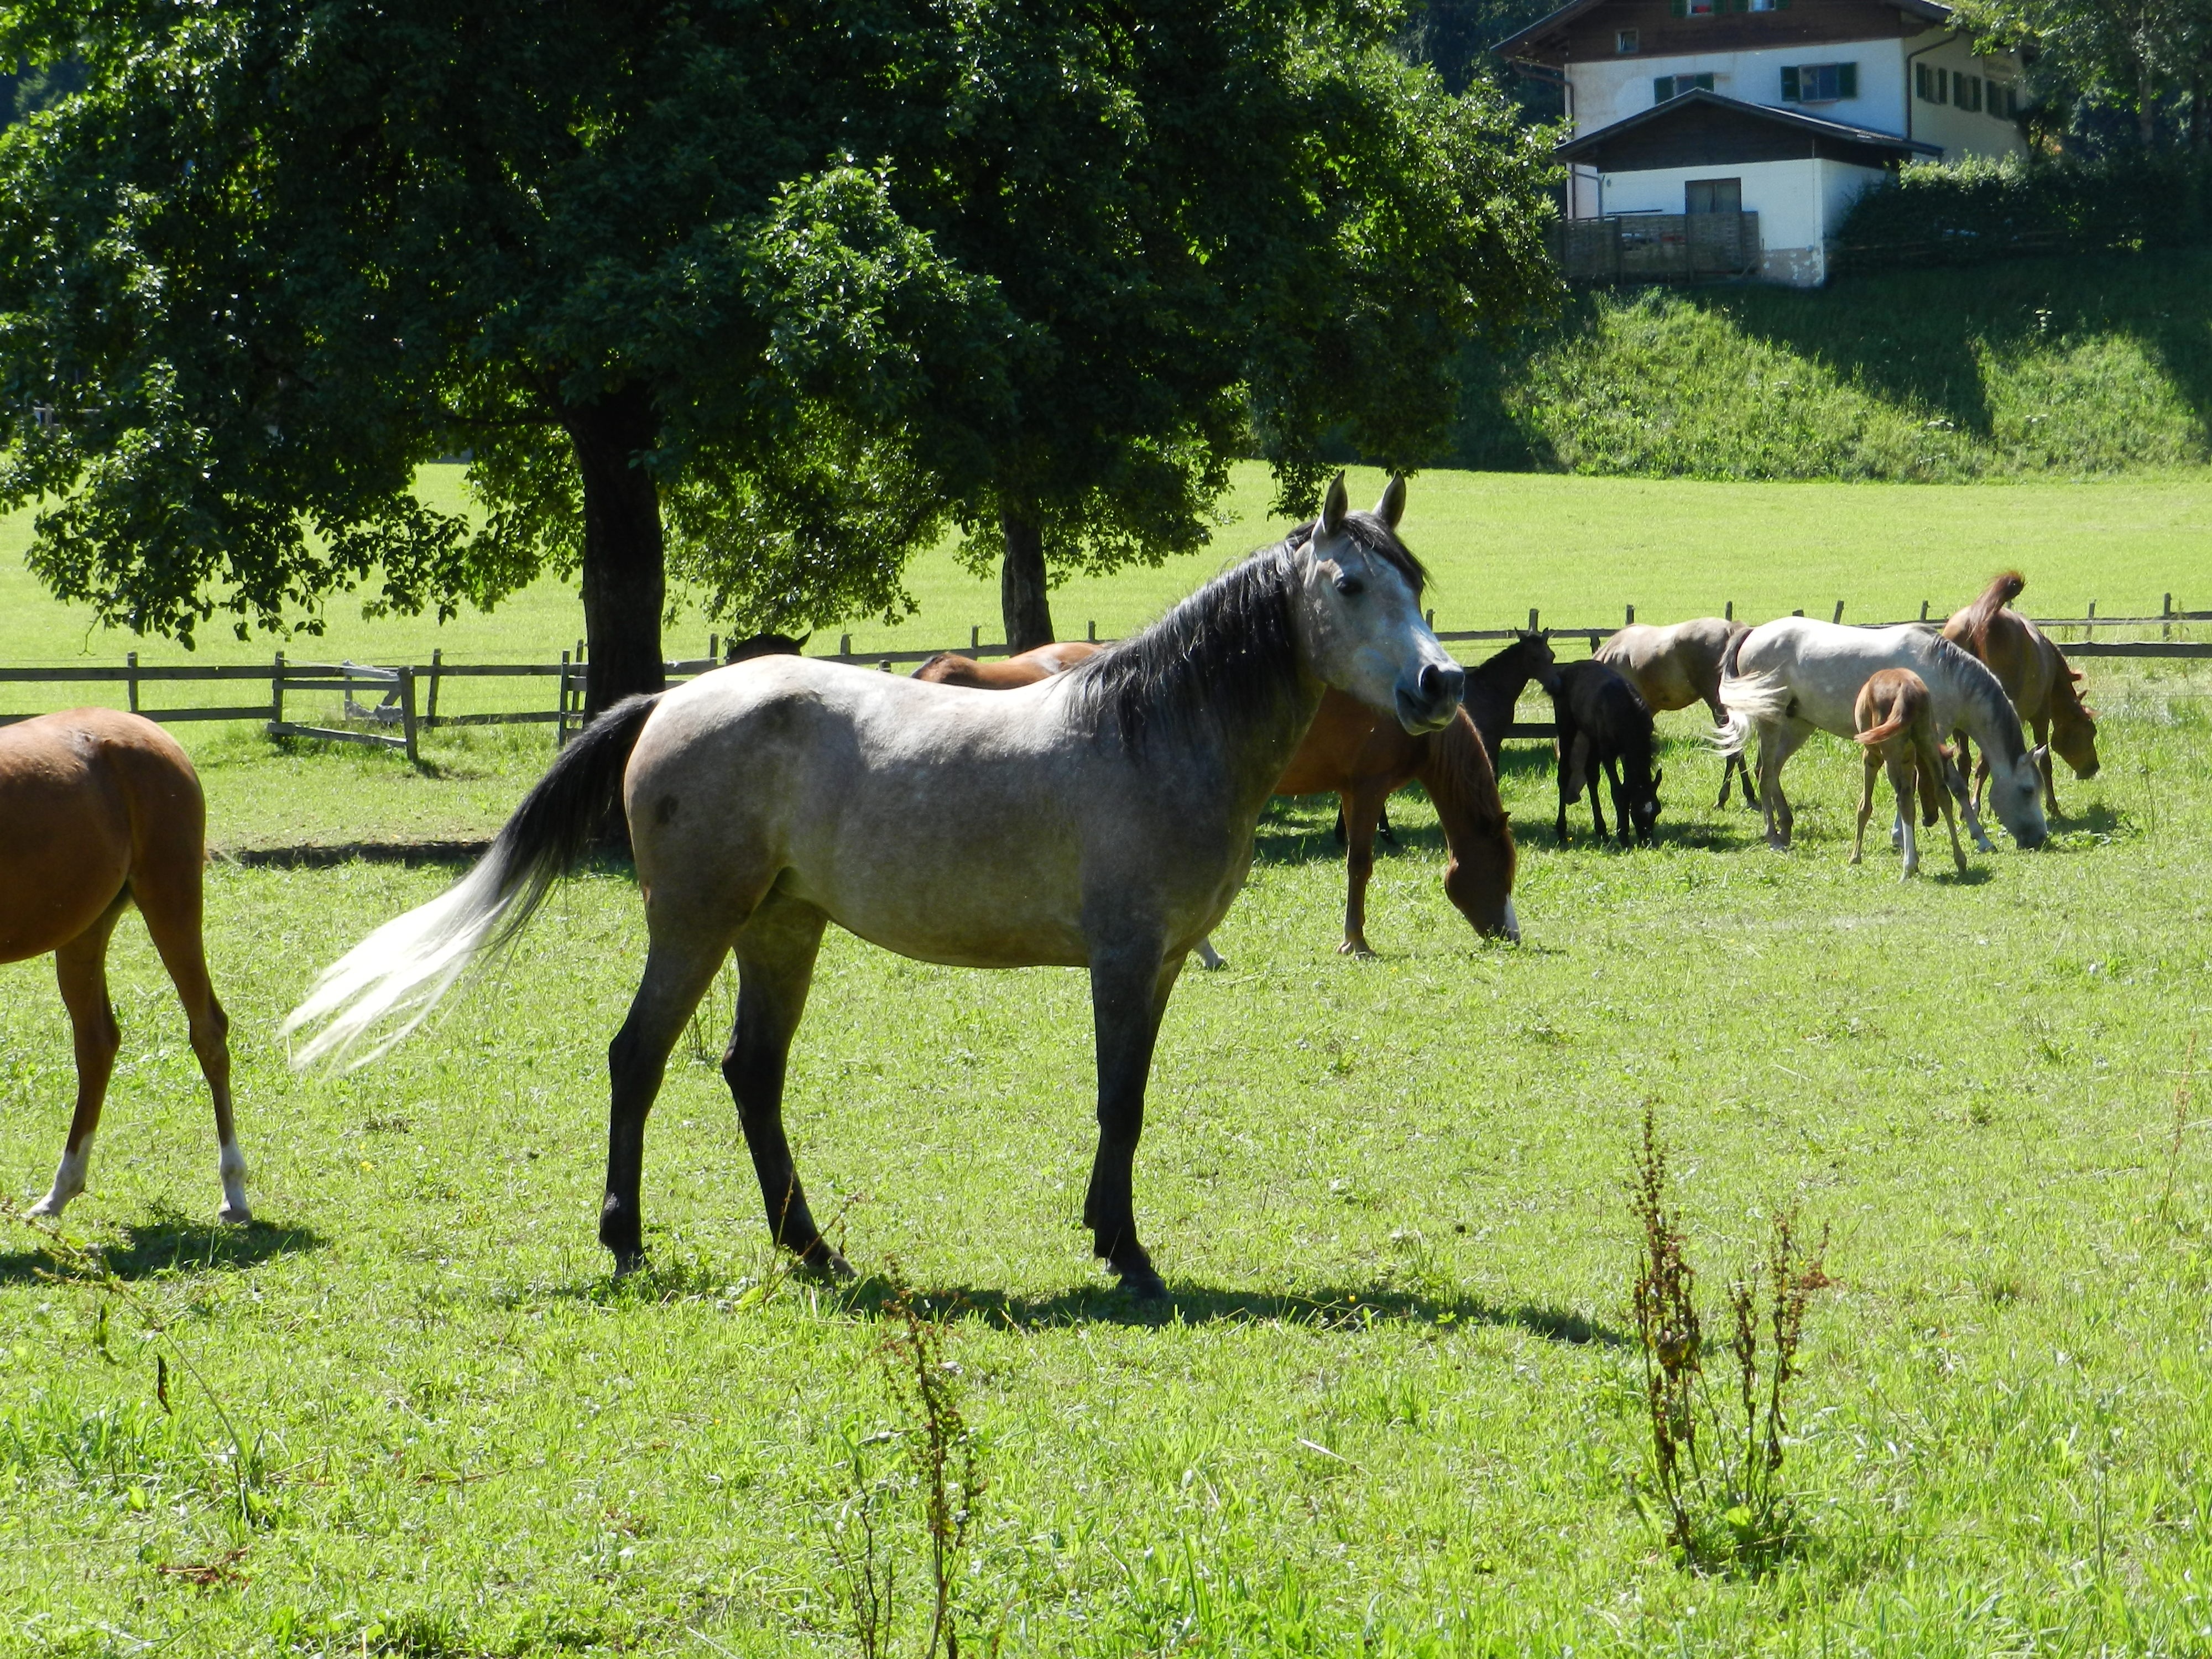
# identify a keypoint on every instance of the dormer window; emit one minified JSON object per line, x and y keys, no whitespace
{"x":1627,"y":43}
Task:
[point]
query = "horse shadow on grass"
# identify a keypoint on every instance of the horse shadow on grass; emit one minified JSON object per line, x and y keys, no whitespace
{"x":1336,"y":1308}
{"x":169,"y":1243}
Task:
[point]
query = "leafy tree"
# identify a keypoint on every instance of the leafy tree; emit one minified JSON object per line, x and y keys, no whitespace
{"x":2136,"y":56}
{"x":1220,"y":226}
{"x":766,"y":294}
{"x":275,"y":255}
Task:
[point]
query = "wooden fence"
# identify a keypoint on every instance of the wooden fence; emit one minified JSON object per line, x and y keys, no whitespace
{"x":408,"y":695}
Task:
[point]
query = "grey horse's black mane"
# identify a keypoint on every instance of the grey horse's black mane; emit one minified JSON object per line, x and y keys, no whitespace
{"x":1982,"y":688}
{"x":1228,"y":654}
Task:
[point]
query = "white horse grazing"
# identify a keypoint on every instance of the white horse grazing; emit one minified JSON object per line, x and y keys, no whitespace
{"x":1795,"y":675}
{"x":1101,"y":818}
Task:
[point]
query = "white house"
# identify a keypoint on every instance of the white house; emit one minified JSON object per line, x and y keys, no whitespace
{"x":1784,"y":109}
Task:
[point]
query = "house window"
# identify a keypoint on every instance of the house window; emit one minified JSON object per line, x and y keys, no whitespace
{"x":1928,"y":84}
{"x":1696,"y":8}
{"x":1967,"y":92}
{"x":1627,"y":41}
{"x":1673,"y":86}
{"x":1712,"y":196}
{"x":1820,"y":84}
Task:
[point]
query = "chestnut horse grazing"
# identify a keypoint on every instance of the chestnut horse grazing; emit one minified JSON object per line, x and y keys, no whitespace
{"x":2035,"y":676}
{"x":99,"y":810}
{"x":1674,"y":667}
{"x":1896,"y":723}
{"x":1361,"y":758}
{"x":1103,"y":819}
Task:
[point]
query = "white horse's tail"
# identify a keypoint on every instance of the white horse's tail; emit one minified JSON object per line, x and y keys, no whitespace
{"x":1750,"y":700}
{"x":386,"y":985}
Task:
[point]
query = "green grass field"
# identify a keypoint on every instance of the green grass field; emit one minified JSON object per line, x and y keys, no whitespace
{"x":1392,"y":1409}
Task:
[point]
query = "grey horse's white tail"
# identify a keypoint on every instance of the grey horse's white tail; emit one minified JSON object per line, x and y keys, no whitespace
{"x":386,"y":985}
{"x":1750,"y":699}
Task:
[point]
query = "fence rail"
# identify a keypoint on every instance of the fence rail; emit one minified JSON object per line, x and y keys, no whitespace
{"x":410,"y":693}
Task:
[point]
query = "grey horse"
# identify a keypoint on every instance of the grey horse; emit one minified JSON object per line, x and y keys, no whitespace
{"x":1101,"y":818}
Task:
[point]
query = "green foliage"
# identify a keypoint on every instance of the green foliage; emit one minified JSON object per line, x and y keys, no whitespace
{"x":1977,"y":210}
{"x":272,"y":259}
{"x":2140,"y":58}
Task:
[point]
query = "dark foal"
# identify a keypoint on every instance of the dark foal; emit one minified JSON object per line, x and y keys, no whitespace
{"x":1495,"y":687}
{"x":1605,"y":731}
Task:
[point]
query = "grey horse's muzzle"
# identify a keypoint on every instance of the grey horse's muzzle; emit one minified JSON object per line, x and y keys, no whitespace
{"x":1429,"y":703}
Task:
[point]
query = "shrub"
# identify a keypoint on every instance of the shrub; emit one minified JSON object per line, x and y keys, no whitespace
{"x":1978,"y":210}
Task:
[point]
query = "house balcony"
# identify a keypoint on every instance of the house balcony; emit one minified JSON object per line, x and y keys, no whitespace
{"x":1657,"y":247}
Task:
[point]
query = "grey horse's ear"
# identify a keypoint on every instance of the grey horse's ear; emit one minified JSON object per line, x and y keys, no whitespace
{"x":1392,"y":507}
{"x":1333,"y":506}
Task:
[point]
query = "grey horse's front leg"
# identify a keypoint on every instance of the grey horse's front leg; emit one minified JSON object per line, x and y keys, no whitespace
{"x":1130,"y":987}
{"x":1955,"y":781}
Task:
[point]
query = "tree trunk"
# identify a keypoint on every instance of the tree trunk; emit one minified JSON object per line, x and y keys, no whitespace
{"x":1022,"y":597}
{"x":625,"y":582}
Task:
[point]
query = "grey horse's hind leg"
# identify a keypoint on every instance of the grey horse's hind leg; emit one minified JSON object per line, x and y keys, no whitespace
{"x":678,"y":967}
{"x":1129,"y":989}
{"x":775,"y":969}
{"x":1208,"y":957}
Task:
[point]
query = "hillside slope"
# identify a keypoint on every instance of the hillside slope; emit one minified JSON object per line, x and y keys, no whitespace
{"x":2065,"y":366}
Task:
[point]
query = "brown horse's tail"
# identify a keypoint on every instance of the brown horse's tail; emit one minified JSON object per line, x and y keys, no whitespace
{"x":1456,"y":770}
{"x":1982,"y":613}
{"x":1898,"y":717}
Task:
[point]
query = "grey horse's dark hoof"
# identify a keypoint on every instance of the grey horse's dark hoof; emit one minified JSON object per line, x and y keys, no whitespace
{"x":825,"y":1263}
{"x":1145,"y":1286}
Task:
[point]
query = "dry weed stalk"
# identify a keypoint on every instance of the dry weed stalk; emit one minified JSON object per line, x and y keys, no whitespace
{"x":942,"y":1463}
{"x":1721,"y":1482}
{"x":2184,"y":1093}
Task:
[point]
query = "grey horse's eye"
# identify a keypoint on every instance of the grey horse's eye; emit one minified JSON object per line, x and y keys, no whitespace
{"x":1350,"y":585}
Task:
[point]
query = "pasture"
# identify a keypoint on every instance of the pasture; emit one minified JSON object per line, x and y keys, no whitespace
{"x":1393,"y":1405}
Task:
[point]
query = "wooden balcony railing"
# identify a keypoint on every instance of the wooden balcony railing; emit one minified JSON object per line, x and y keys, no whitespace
{"x":1657,"y":247}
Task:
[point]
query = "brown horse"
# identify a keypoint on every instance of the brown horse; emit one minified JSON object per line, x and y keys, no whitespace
{"x":1674,"y":667}
{"x":2035,"y":677}
{"x":1361,"y":758}
{"x":1897,"y":727}
{"x":99,"y":810}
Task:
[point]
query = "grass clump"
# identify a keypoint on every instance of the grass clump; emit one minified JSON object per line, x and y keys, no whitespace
{"x":1717,"y":1466}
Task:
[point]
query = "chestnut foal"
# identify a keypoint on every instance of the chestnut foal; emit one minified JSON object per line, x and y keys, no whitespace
{"x":99,"y":810}
{"x":1897,"y":726}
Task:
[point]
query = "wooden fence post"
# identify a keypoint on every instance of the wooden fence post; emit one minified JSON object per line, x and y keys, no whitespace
{"x":561,"y":717}
{"x":1839,"y":610}
{"x":1532,"y":619}
{"x":1090,"y":630}
{"x":1799,"y":612}
{"x":277,"y":695}
{"x":975,"y":635}
{"x":131,"y":662}
{"x":844,"y":645}
{"x":1923,"y":610}
{"x":1631,"y":622}
{"x":1728,"y":611}
{"x":437,"y":663}
{"x":407,"y":714}
{"x":2090,"y":631}
{"x":2165,"y":628}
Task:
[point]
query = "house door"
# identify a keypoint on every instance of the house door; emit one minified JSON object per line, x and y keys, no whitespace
{"x":1713,"y":196}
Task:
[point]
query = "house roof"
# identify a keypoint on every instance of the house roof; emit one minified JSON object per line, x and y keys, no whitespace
{"x":1928,"y":11}
{"x":1709,"y":109}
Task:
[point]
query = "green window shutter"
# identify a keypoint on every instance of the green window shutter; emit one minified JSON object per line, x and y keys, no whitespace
{"x":1790,"y":85}
{"x":1679,"y":8}
{"x":1847,"y":80}
{"x":1662,"y":89}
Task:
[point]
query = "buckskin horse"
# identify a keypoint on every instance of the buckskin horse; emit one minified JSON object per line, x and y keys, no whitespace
{"x":1103,"y":819}
{"x":2035,"y":676}
{"x":1672,"y":667}
{"x":100,"y":810}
